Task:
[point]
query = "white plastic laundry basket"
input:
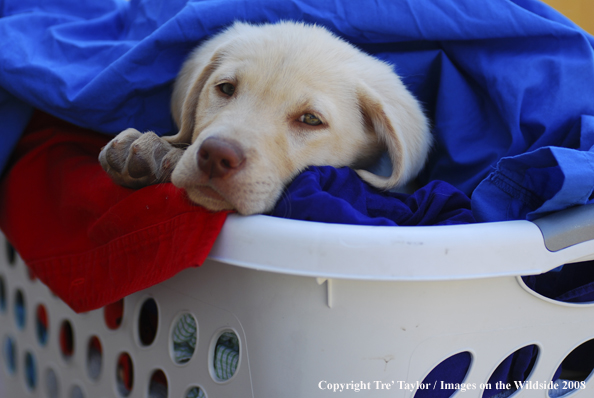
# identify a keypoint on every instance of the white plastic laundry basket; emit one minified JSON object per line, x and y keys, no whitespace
{"x":318,"y":310}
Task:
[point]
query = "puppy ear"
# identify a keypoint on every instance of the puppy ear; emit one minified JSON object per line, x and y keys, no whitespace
{"x":201,"y":63}
{"x":399,"y":123}
{"x":186,"y":93}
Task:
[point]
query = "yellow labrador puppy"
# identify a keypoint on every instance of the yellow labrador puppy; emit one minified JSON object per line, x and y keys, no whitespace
{"x":255,"y":105}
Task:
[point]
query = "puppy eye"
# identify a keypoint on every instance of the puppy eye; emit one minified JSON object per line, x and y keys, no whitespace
{"x":310,"y":119}
{"x":227,"y":88}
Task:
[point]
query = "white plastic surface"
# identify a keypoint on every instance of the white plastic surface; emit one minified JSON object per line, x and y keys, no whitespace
{"x":315,"y":305}
{"x":390,"y":253}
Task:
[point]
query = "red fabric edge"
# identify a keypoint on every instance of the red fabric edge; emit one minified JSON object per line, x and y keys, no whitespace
{"x":90,"y":241}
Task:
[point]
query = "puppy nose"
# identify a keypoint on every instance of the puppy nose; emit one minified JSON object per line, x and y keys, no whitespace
{"x":218,"y":158}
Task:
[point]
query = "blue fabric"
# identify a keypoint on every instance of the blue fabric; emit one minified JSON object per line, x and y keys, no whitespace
{"x":499,"y":79}
{"x":334,"y":195}
{"x":14,"y":116}
{"x":453,"y":370}
{"x":572,"y":283}
{"x":531,"y":185}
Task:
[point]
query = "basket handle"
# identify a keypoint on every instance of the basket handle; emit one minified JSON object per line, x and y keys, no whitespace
{"x":567,"y":227}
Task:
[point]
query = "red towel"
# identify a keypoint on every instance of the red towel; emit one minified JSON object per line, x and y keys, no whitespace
{"x":91,"y":241}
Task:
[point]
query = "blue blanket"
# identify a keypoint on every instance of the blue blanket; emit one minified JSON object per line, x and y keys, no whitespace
{"x":506,"y":83}
{"x":332,"y":195}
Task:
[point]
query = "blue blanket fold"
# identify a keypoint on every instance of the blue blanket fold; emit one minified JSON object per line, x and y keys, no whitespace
{"x":534,"y":184}
{"x":334,"y":195}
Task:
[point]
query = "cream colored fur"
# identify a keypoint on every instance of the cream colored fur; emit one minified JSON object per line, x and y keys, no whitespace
{"x":280,"y":72}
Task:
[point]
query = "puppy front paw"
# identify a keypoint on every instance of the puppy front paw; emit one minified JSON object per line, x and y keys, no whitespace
{"x":135,"y":160}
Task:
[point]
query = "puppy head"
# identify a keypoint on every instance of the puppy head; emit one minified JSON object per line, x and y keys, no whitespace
{"x":258,"y":104}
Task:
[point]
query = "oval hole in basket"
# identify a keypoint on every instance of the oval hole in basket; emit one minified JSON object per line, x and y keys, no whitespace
{"x":575,"y":368}
{"x":183,"y":338}
{"x":76,"y":392}
{"x":452,"y":371}
{"x":9,"y":354}
{"x":20,"y":310}
{"x":113,"y":314}
{"x":226,"y":356}
{"x":148,"y":321}
{"x":125,"y":374}
{"x":41,"y":324}
{"x":52,"y":388}
{"x":2,"y":295}
{"x":94,"y":358}
{"x":158,"y":386}
{"x":570,"y":283}
{"x":10,"y":254}
{"x":30,"y":371}
{"x":516,"y":367}
{"x":66,"y":340}
{"x":195,"y":392}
